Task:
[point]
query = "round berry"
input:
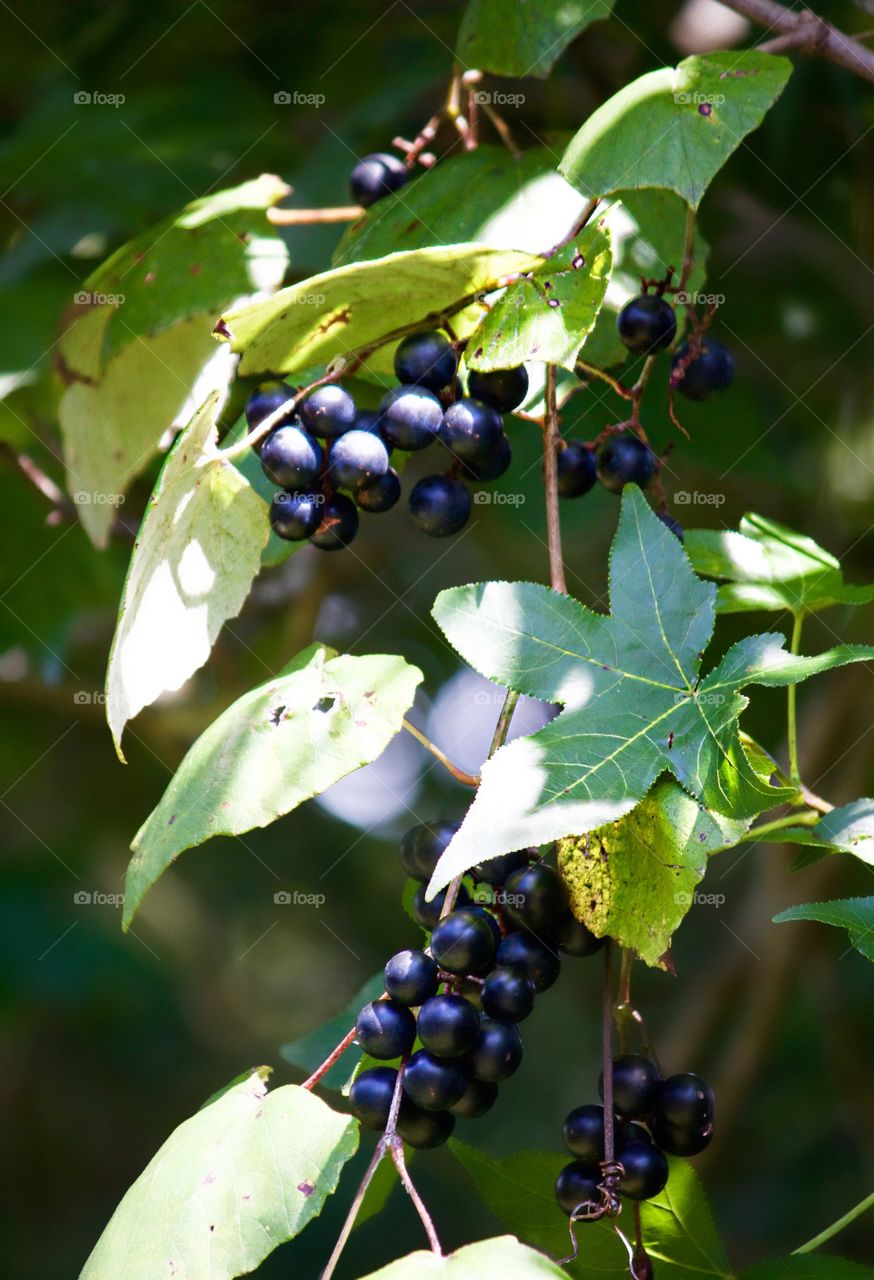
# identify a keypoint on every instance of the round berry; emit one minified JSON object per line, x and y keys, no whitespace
{"x":426,"y":359}
{"x":462,"y":942}
{"x":503,"y":389}
{"x":291,"y":458}
{"x":491,"y":921}
{"x":583,"y":1133}
{"x":375,"y":176}
{"x":494,"y":871}
{"x":266,"y":399}
{"x":508,"y":996}
{"x":577,"y":1186}
{"x":424,"y":1130}
{"x":526,"y":954}
{"x":295,"y":516}
{"x":427,"y":914}
{"x":371,"y":1094}
{"x":685,"y":1101}
{"x":625,"y":460}
{"x":484,"y":470}
{"x":411,"y":978}
{"x":678,"y":1140}
{"x":328,"y":411}
{"x":380,"y":494}
{"x":647,"y":324}
{"x":423,"y":846}
{"x":356,"y":458}
{"x":478,"y":1098}
{"x":674,"y":525}
{"x":448,"y":1026}
{"x":646,"y":1171}
{"x":440,"y":506}
{"x":575,"y":939}
{"x":709,"y":373}
{"x":434,"y":1083}
{"x":498,"y":1051}
{"x":410,"y":417}
{"x":635,"y":1085}
{"x":338,"y":525}
{"x":471,"y":430}
{"x":627,"y":1131}
{"x":385,"y":1029}
{"x":535,"y":897}
{"x":577,"y":469}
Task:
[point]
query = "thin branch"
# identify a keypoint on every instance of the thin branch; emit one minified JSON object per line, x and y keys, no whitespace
{"x":333,"y":1056}
{"x":850,"y":1216}
{"x":397,"y":1155}
{"x":791,"y":696}
{"x":806,"y":32}
{"x":551,"y":441}
{"x":307,"y":217}
{"x":62,"y":507}
{"x":460,"y":775}
{"x":354,"y":1210}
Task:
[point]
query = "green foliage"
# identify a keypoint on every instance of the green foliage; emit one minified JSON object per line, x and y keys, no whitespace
{"x":767,"y":566}
{"x":654,"y":133}
{"x":849,"y":829}
{"x":311,"y":1050}
{"x":486,"y":1260}
{"x":549,"y":313}
{"x":856,"y":915}
{"x":634,"y":701}
{"x":199,"y":547}
{"x":513,"y":39}
{"x":808,"y":1266}
{"x":322,"y":717}
{"x":242,"y":1175}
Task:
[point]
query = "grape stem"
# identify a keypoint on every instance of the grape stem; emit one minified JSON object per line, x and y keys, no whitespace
{"x":850,"y":1216}
{"x":551,"y":441}
{"x":309,"y":217}
{"x":792,"y":725}
{"x":333,"y":1056}
{"x":460,"y":775}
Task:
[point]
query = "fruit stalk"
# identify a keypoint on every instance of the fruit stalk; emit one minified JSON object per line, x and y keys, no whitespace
{"x":551,"y":440}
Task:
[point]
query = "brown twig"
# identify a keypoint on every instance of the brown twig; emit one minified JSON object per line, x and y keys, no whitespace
{"x":333,"y":1056}
{"x":803,"y":31}
{"x":308,"y":217}
{"x":551,"y":440}
{"x":460,"y":775}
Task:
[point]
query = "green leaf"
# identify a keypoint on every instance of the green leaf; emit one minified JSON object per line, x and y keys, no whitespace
{"x":653,"y":133}
{"x":548,"y":314}
{"x":849,"y":829}
{"x":769,"y":566}
{"x":496,"y":1259}
{"x":198,"y":549}
{"x":137,"y":357}
{"x":283,"y":742}
{"x":856,"y":915}
{"x":635,"y":703}
{"x":678,"y":1229}
{"x":240,"y":1177}
{"x":311,"y":1050}
{"x":522,"y":203}
{"x":513,"y":39}
{"x":635,"y":880}
{"x":350,"y":310}
{"x":808,"y":1266}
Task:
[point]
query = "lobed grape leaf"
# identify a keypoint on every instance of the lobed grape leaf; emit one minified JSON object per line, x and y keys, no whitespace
{"x":350,"y":310}
{"x":136,"y":356}
{"x":548,"y":314}
{"x":198,"y":549}
{"x":856,"y":915}
{"x":635,"y":702}
{"x":675,"y":127}
{"x":513,"y":39}
{"x":244,"y":1174}
{"x":636,"y":879}
{"x":495,"y":1259}
{"x":769,"y":566}
{"x":283,"y":742}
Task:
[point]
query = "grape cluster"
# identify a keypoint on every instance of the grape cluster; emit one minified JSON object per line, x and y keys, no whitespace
{"x":332,"y":459}
{"x":454,"y":1007}
{"x":652,"y":1117}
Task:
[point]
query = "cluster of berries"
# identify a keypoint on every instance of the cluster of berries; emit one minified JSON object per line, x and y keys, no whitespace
{"x":701,"y":367}
{"x":331,"y":459}
{"x":652,"y":1117}
{"x":476,"y":981}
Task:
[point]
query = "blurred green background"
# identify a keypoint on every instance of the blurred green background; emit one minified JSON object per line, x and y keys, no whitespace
{"x":110,"y":1041}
